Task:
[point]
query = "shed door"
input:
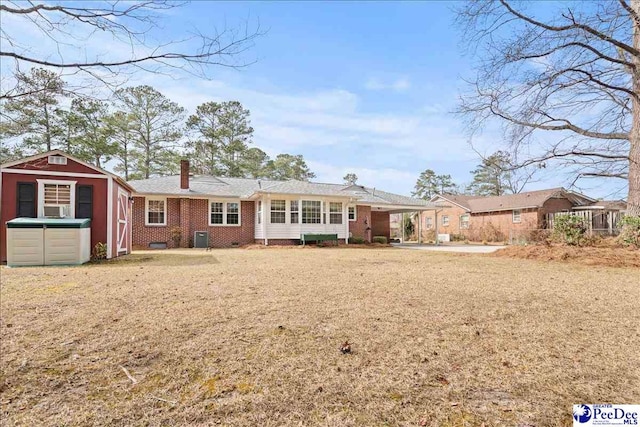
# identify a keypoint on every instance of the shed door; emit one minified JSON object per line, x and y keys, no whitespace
{"x":123,"y":222}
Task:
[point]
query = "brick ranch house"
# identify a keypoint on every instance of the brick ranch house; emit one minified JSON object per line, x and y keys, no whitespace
{"x":239,"y":211}
{"x":497,"y":218}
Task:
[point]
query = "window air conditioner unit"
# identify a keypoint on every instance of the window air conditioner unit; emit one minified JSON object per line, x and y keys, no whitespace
{"x":56,"y":211}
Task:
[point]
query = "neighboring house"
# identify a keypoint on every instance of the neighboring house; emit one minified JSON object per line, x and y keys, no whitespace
{"x":57,"y":185}
{"x":238,"y":211}
{"x":496,"y":217}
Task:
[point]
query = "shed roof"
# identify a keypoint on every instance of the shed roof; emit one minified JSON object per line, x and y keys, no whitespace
{"x":75,"y":159}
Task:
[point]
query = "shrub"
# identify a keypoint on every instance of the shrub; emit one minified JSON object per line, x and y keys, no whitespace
{"x":176,"y":236}
{"x":570,"y":229}
{"x":379,"y":239}
{"x":458,"y":237}
{"x":356,"y":240}
{"x":429,"y":235}
{"x":629,"y":230}
{"x":99,"y":251}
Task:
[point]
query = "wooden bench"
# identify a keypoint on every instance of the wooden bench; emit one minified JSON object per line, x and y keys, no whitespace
{"x":318,"y":238}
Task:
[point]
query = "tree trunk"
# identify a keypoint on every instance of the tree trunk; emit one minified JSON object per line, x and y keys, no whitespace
{"x":47,"y":133}
{"x":633,"y":199}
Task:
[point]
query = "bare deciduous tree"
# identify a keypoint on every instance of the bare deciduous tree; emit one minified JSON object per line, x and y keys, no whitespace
{"x":136,"y":26}
{"x":576,"y":75}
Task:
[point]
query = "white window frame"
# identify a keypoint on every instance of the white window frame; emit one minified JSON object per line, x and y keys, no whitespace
{"x":463,"y":227}
{"x":271,"y":211}
{"x":355,"y":213}
{"x":298,"y":203}
{"x":72,"y":197}
{"x":428,"y":222}
{"x":445,"y":220}
{"x":224,"y":212}
{"x":339,"y":212}
{"x":322,"y":213}
{"x":516,"y":219}
{"x":258,"y":211}
{"x":146,"y":212}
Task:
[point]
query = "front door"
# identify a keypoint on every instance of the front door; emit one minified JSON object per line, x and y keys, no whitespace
{"x":123,"y":222}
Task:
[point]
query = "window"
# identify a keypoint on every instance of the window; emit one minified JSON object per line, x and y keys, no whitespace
{"x":156,"y":212}
{"x":233,"y":213}
{"x":295,"y":213}
{"x":428,"y":222}
{"x":352,"y":213}
{"x":445,"y":220}
{"x":26,"y":206}
{"x":259,"y":212}
{"x":464,"y":221}
{"x":56,"y":198}
{"x":217,"y":213}
{"x":335,"y":213}
{"x":517,"y":215}
{"x":311,"y":211}
{"x":227,"y":213}
{"x":278,"y":211}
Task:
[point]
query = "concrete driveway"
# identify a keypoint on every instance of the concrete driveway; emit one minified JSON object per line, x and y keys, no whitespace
{"x":472,"y":249}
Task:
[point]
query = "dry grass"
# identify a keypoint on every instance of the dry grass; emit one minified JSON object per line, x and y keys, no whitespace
{"x":611,"y":256}
{"x":243,"y":338}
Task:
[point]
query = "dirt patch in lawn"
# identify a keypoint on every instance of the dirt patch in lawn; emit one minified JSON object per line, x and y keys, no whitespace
{"x":254,"y":338}
{"x":596,"y":256}
{"x":158,"y":258}
{"x":327,"y":245}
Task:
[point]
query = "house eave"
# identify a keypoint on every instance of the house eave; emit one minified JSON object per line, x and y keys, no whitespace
{"x":504,"y":209}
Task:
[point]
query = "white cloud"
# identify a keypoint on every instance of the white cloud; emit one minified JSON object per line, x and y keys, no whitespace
{"x":399,"y":85}
{"x":386,"y":179}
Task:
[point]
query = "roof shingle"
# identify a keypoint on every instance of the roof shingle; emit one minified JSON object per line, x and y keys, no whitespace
{"x":529,"y":199}
{"x":203,"y":186}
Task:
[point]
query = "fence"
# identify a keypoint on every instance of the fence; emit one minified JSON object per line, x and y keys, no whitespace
{"x":595,"y":220}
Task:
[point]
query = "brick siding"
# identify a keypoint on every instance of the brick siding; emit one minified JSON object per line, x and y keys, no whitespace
{"x":553,"y":205}
{"x":492,"y":225}
{"x":358,"y":228}
{"x":280,"y":242}
{"x":191,"y":215}
{"x":380,"y":225}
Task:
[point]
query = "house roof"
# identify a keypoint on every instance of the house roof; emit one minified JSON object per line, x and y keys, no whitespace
{"x":529,"y":199}
{"x":69,"y":156}
{"x":619,"y":205}
{"x":243,"y":188}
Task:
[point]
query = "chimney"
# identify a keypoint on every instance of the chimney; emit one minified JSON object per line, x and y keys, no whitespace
{"x":184,"y":174}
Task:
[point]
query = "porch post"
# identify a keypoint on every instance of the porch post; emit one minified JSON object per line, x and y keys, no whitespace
{"x":264,"y":221}
{"x":419,"y":227}
{"x":436,"y":225}
{"x":345,"y":215}
{"x":610,"y":220}
{"x":402,"y":227}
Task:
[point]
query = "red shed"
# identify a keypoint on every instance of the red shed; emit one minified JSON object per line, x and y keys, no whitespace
{"x":55,"y":184}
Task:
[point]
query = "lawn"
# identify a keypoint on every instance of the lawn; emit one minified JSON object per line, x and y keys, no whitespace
{"x":252,"y":338}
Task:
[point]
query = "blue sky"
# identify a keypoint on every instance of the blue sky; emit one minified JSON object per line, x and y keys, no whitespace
{"x":353,"y":86}
{"x":364,"y":87}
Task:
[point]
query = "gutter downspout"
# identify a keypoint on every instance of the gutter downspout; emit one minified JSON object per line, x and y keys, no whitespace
{"x":264,"y":221}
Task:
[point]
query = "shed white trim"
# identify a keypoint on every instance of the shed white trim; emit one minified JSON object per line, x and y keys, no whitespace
{"x":54,"y":173}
